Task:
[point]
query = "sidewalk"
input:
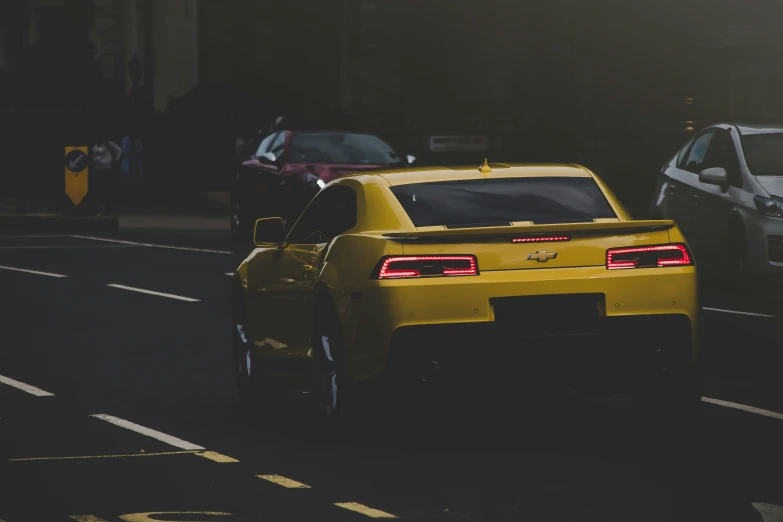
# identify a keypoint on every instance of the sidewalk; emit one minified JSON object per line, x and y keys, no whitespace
{"x":196,"y":210}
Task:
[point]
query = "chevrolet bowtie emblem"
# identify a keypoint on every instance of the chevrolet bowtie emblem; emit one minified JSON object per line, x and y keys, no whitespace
{"x":542,"y":256}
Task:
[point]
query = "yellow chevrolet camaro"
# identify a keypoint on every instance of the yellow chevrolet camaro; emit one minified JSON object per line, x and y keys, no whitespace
{"x":440,"y":276}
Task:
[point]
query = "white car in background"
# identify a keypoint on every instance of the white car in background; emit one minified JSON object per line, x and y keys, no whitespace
{"x":724,"y":189}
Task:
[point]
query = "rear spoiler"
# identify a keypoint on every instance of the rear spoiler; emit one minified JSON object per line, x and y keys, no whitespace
{"x":581,"y":229}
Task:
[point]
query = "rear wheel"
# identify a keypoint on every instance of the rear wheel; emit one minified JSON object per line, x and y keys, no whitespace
{"x":333,"y":381}
{"x":737,"y":253}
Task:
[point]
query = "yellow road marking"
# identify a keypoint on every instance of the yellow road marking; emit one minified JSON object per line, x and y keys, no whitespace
{"x":217,"y":457}
{"x":283,"y":481}
{"x":105,"y":456}
{"x":364,"y":510}
{"x":147,"y":517}
{"x":85,"y":518}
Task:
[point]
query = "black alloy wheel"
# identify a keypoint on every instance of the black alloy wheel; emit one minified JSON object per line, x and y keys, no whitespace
{"x":246,"y":369}
{"x":333,"y":381}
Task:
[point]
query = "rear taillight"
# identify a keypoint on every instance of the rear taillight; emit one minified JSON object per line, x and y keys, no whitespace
{"x":396,"y":267}
{"x":648,"y":256}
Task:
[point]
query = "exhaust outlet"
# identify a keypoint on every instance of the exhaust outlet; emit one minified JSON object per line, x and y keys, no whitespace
{"x":430,"y":371}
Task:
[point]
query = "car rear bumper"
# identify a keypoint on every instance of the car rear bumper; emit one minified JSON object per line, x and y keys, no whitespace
{"x":378,"y":320}
{"x":623,"y":352}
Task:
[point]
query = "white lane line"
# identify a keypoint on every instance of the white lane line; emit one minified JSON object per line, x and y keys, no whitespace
{"x":36,"y":272}
{"x":284,"y":481}
{"x":123,"y":242}
{"x":364,"y":510}
{"x":751,"y":314}
{"x":231,"y":274}
{"x":749,"y":409}
{"x":128,"y":425}
{"x":152,"y":292}
{"x":32,"y":390}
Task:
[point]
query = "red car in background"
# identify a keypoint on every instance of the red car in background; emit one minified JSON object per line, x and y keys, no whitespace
{"x":287,"y":168}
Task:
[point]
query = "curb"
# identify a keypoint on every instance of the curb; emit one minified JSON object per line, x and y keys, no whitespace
{"x":12,"y":223}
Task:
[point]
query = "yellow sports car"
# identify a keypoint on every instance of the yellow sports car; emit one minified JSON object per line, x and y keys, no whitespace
{"x":435,"y":276}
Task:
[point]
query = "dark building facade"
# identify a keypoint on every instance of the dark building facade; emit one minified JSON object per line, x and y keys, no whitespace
{"x":613,"y":84}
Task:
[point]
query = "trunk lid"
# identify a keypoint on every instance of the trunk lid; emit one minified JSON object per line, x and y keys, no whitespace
{"x":530,"y":247}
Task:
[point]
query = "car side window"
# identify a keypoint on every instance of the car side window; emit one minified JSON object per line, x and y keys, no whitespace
{"x":697,"y":156}
{"x":264,"y":145}
{"x":278,"y":145}
{"x":331,"y":213}
{"x":682,"y":154}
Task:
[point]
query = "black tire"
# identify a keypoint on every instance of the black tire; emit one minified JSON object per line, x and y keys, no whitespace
{"x":247,"y":371}
{"x":737,"y":254}
{"x":333,"y":383}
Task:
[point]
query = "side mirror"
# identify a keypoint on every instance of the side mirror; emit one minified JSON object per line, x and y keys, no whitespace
{"x":268,"y":231}
{"x":714,"y":176}
{"x":267,"y":158}
{"x":410,"y":159}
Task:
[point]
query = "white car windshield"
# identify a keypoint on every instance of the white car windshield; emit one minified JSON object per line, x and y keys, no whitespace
{"x":764,"y":153}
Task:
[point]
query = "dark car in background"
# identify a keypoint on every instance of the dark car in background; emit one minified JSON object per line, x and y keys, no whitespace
{"x":287,"y":168}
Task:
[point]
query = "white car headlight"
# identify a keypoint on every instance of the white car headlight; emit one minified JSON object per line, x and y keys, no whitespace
{"x":769,"y":207}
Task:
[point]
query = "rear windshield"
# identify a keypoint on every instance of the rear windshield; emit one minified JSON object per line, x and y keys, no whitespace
{"x":501,"y":201}
{"x":341,"y":147}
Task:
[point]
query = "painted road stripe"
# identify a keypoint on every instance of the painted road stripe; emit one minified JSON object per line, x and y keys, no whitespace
{"x":32,"y":237}
{"x":152,"y":292}
{"x":283,"y":481}
{"x":15,"y":269}
{"x":364,"y":510}
{"x":737,"y":312}
{"x":78,"y":457}
{"x":85,"y":518}
{"x":168,"y":439}
{"x":231,"y":274}
{"x":32,"y":390}
{"x":171,"y":247}
{"x":154,"y":515}
{"x":217,"y":457}
{"x":749,"y":409}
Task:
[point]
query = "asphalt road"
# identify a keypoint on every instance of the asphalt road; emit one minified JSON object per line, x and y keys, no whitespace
{"x":169,"y":438}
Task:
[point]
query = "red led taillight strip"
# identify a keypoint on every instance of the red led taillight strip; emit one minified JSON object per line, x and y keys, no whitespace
{"x":540,"y":239}
{"x":386,"y":272}
{"x":681,"y":261}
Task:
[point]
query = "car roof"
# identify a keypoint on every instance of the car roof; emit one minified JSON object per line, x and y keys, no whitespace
{"x":408,"y":176}
{"x":758,"y":128}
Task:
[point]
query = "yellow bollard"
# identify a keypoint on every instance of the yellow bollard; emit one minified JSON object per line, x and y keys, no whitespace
{"x":76,"y":173}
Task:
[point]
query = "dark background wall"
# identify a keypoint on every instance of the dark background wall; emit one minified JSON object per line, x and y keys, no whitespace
{"x":617,"y":85}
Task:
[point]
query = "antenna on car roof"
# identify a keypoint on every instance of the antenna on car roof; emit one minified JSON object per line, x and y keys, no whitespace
{"x":484,"y":169}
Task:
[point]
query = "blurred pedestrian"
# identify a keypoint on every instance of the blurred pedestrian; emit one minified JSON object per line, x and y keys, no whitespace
{"x":105,"y":155}
{"x":132,"y":166}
